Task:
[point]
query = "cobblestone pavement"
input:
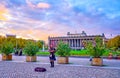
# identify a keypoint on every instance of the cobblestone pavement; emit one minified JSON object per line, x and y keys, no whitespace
{"x":78,"y":68}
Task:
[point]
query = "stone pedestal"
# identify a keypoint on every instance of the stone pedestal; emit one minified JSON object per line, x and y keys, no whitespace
{"x":6,"y":57}
{"x":63,"y":60}
{"x":97,"y":62}
{"x":31,"y":58}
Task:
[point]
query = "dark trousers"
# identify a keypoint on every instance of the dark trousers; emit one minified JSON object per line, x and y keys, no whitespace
{"x":52,"y":59}
{"x":52,"y":63}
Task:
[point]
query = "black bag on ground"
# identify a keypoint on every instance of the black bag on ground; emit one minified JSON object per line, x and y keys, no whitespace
{"x":40,"y":69}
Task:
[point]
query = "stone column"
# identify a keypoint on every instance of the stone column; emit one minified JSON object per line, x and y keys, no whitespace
{"x":77,"y":42}
{"x":72,"y":43}
{"x":80,"y":43}
{"x":69,"y":42}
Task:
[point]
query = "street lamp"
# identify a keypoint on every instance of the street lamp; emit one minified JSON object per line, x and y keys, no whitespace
{"x":43,"y":46}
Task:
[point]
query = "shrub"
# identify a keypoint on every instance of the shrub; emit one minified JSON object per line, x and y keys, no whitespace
{"x":31,"y":48}
{"x":63,"y":49}
{"x":7,"y":48}
{"x":97,"y":48}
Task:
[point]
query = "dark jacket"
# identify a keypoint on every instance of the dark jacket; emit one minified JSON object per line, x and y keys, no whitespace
{"x":52,"y":54}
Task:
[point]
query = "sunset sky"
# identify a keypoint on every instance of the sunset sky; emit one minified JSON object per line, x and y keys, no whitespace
{"x":38,"y":19}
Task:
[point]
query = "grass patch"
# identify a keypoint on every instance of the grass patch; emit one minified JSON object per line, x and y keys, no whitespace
{"x":43,"y":53}
{"x":73,"y":53}
{"x":85,"y":53}
{"x":79,"y":53}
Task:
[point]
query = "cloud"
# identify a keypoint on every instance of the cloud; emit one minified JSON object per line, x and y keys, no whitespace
{"x":43,"y":5}
{"x":3,"y":12}
{"x":39,"y":19}
{"x":30,"y":4}
{"x":31,"y":28}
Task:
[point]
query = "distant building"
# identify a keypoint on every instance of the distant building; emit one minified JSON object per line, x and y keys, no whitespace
{"x":75,"y":41}
{"x":9,"y":35}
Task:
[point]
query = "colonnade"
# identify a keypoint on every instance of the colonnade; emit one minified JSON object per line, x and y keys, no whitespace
{"x":73,"y":43}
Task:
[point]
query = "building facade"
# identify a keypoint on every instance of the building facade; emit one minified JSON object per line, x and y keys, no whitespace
{"x":75,"y":41}
{"x":9,"y":35}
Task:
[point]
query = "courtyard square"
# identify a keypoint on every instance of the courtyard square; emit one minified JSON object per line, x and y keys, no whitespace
{"x":78,"y":68}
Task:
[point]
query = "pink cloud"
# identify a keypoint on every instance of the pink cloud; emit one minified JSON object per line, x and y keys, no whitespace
{"x":3,"y":12}
{"x":41,"y":5}
{"x":30,"y":4}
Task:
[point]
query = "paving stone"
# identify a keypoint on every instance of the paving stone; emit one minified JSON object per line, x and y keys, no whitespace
{"x":26,"y":70}
{"x":78,"y":68}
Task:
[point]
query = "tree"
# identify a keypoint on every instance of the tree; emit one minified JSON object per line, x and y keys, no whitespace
{"x":7,"y":47}
{"x":63,"y":49}
{"x":31,"y":48}
{"x":114,"y":43}
{"x":40,"y":43}
{"x":96,"y":48}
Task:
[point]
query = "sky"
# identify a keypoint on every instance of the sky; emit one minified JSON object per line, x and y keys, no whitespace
{"x":38,"y":19}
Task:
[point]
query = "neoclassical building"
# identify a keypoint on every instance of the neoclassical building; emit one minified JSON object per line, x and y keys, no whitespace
{"x":75,"y":41}
{"x":10,"y":35}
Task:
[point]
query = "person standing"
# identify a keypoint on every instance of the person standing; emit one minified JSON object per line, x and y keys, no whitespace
{"x":20,"y":52}
{"x":52,"y":57}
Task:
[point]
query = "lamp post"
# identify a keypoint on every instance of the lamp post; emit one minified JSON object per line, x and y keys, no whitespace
{"x":43,"y":47}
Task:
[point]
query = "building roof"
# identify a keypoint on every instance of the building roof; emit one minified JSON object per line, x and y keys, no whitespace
{"x":10,"y":35}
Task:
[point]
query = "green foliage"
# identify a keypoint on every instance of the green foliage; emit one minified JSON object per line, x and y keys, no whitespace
{"x":118,"y":53}
{"x":40,"y":43}
{"x":63,"y":49}
{"x":7,"y":47}
{"x":97,"y":48}
{"x":114,"y":43}
{"x":79,"y":53}
{"x":43,"y":53}
{"x":75,"y":53}
{"x":31,"y":48}
{"x":20,"y":43}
